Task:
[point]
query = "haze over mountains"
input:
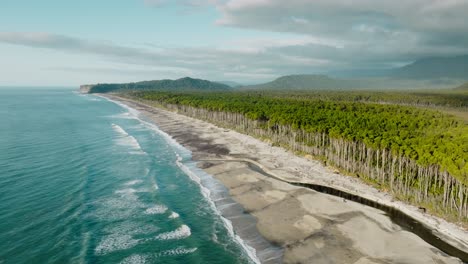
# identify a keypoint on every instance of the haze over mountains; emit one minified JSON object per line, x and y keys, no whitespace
{"x":463,"y":87}
{"x":445,"y":72}
{"x":425,"y":73}
{"x":426,"y":68}
{"x":432,"y":68}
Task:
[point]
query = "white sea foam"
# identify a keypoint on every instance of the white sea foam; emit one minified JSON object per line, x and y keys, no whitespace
{"x":174,"y":215}
{"x":134,"y":182}
{"x":131,"y":111}
{"x":135,"y":259}
{"x":130,"y":142}
{"x":157,"y":209}
{"x":153,"y":127}
{"x":180,"y":233}
{"x":119,"y":207}
{"x":119,"y":130}
{"x":176,"y":252}
{"x":115,"y":242}
{"x":88,"y":96}
{"x":127,"y":140}
{"x":251,"y":252}
{"x":127,"y":191}
{"x":126,"y":195}
{"x":130,"y":193}
{"x":153,"y":182}
{"x":130,"y":202}
{"x":131,"y":228}
{"x":125,"y":115}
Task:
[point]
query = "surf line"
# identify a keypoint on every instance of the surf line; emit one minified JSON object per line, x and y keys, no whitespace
{"x":397,"y":216}
{"x":179,"y":149}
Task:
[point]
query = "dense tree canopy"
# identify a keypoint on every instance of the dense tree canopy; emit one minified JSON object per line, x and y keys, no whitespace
{"x":417,"y":153}
{"x":424,"y":135}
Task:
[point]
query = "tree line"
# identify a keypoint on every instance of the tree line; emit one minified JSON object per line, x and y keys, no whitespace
{"x":420,"y":155}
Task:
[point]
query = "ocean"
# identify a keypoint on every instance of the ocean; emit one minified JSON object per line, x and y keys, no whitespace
{"x":86,"y":180}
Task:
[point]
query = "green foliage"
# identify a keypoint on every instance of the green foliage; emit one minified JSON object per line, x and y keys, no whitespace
{"x":442,"y":98}
{"x":183,"y":84}
{"x":424,"y":135}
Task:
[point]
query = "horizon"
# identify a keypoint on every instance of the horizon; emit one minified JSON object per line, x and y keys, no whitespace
{"x":67,"y":44}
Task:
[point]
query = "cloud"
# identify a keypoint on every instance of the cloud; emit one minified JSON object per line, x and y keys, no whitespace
{"x":334,"y":16}
{"x":310,"y":36}
{"x":267,"y":58}
{"x":384,"y":28}
{"x":347,"y":34}
{"x":316,"y":36}
{"x":71,"y":44}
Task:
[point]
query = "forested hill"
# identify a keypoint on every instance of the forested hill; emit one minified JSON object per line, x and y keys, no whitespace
{"x":433,"y":68}
{"x":183,"y":84}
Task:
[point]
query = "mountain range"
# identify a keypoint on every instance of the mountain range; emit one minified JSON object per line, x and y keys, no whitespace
{"x":425,"y":73}
{"x":433,"y":68}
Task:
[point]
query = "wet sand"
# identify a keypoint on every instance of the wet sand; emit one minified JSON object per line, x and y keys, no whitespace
{"x":309,"y":226}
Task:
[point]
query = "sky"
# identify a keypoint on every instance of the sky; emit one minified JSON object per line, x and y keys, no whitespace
{"x":67,"y":43}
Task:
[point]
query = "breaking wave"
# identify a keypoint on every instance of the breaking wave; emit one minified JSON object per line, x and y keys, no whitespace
{"x":176,"y":252}
{"x":127,"y":140}
{"x":180,"y":233}
{"x":180,"y":150}
{"x":115,"y":242}
{"x":174,"y":215}
{"x":157,"y":209}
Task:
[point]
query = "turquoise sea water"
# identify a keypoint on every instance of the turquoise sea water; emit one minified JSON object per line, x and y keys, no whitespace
{"x":84,"y":180}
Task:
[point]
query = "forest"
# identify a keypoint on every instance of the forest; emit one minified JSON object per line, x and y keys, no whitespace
{"x":182,"y":84}
{"x":418,"y":154}
{"x":455,"y":98}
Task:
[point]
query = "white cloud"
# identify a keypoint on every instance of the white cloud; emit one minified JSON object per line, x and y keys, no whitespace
{"x":263,"y":44}
{"x":438,"y":26}
{"x":202,"y":62}
{"x":315,"y":36}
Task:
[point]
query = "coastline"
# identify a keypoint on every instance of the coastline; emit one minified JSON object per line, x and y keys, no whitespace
{"x":307,"y":224}
{"x":240,"y":225}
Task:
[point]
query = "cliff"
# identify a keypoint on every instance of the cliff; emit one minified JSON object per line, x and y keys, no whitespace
{"x":86,"y":88}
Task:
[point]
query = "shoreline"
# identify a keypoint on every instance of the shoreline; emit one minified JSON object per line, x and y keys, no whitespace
{"x":301,"y":215}
{"x":239,"y":224}
{"x":407,"y":222}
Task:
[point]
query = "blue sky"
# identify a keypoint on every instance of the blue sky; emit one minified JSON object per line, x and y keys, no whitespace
{"x":57,"y":42}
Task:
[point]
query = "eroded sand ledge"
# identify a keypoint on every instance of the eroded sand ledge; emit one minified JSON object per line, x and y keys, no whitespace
{"x":310,"y":226}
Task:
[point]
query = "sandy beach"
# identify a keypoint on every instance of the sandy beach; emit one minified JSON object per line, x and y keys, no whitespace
{"x":308,"y":226}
